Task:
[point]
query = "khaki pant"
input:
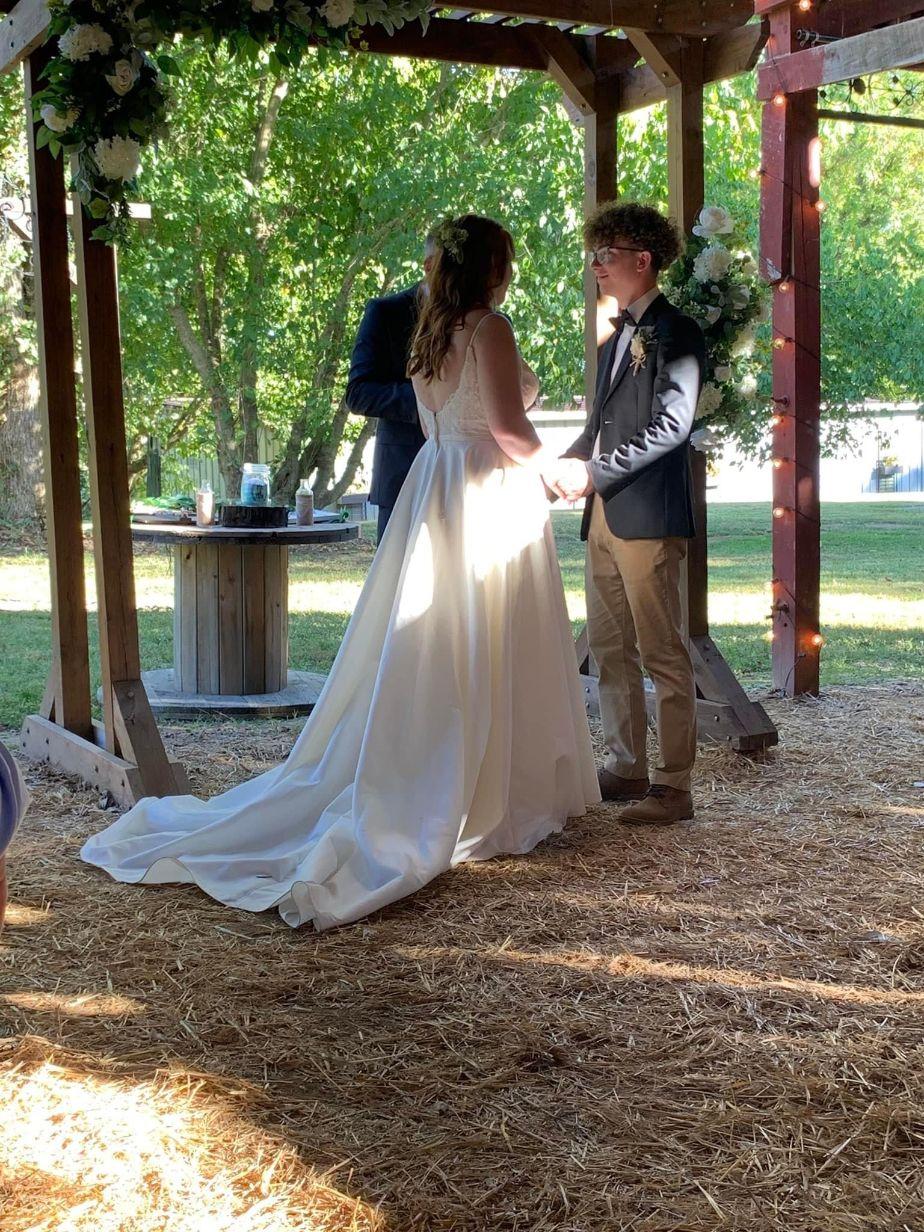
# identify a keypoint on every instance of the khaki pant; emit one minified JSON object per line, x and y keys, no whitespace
{"x":634,"y":619}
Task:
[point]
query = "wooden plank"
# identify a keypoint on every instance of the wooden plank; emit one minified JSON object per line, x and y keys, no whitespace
{"x":875,"y":51}
{"x":717,"y":682}
{"x":63,"y":511}
{"x":207,"y":620}
{"x":22,"y":32}
{"x":47,"y":742}
{"x":230,"y":619}
{"x":185,"y":647}
{"x":254,"y":619}
{"x":275,"y":612}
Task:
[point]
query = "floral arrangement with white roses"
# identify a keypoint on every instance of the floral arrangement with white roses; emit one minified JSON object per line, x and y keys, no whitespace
{"x":716,"y":282}
{"x":105,"y":94}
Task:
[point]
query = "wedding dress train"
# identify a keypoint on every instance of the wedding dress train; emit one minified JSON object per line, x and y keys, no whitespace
{"x":451,"y":726}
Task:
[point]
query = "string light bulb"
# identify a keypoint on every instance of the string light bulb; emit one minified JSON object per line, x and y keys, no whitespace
{"x":817,"y":641}
{"x":779,"y":512}
{"x":784,"y":286}
{"x":778,"y":463}
{"x":779,"y":99}
{"x":820,"y":206}
{"x":769,"y":635}
{"x":776,"y":421}
{"x":804,"y":6}
{"x":779,"y":342}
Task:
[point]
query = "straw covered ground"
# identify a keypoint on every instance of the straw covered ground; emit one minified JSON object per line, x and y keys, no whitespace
{"x":710,"y":1027}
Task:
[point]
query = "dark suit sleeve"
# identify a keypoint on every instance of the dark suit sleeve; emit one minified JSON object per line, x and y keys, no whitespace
{"x":681,"y":361}
{"x":369,"y":390}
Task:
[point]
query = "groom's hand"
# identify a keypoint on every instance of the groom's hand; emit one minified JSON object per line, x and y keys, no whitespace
{"x":570,"y":479}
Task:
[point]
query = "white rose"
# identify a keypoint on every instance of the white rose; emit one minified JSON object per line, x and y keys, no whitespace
{"x":712,"y":263}
{"x":80,"y":42}
{"x":748,"y":385}
{"x":713,"y":312}
{"x":55,"y":120}
{"x":704,"y":440}
{"x":261,"y":6}
{"x":713,"y":220}
{"x":118,"y":158}
{"x":710,"y":399}
{"x":764,"y":313}
{"x":748,"y":264}
{"x":122,"y":77}
{"x":722,"y":372}
{"x":338,"y":12}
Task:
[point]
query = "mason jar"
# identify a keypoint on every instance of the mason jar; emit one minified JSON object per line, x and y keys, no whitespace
{"x":255,"y":483}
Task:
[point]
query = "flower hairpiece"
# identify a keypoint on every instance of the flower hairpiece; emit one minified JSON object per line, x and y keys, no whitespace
{"x":451,"y":238}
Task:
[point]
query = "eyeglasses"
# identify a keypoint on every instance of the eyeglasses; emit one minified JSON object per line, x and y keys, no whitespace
{"x":603,"y":256}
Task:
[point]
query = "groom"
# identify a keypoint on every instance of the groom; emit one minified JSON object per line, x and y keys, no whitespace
{"x":632,"y":463}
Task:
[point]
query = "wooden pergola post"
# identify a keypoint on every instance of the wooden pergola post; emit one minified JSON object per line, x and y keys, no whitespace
{"x":124,"y":755}
{"x":791,"y":261}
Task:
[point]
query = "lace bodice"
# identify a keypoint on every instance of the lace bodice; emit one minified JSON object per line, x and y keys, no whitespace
{"x":463,"y":416}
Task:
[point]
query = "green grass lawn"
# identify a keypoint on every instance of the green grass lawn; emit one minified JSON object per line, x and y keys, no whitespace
{"x":872,"y":598}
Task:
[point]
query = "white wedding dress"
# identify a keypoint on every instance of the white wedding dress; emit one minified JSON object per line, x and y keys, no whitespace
{"x":451,"y":726}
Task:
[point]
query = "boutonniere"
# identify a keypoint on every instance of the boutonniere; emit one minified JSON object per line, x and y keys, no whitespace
{"x":641,"y":343}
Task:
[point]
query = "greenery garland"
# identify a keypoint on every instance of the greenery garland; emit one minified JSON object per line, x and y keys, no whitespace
{"x":106,"y":96}
{"x":716,"y":281}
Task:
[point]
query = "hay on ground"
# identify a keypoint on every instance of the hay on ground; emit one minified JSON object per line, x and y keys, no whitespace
{"x":716,"y":1026}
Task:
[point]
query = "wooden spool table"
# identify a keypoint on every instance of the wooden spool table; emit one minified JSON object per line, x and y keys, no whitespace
{"x":231,"y":611}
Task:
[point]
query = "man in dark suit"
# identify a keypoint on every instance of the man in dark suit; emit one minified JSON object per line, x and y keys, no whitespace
{"x":633,"y":466}
{"x":378,"y":386}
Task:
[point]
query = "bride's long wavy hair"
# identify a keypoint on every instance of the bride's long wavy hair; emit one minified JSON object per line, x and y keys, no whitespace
{"x":472,"y":255}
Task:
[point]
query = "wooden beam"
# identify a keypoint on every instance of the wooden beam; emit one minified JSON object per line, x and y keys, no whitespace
{"x":691,"y":17}
{"x":22,"y":31}
{"x":457,"y":43}
{"x":660,"y":53}
{"x":726,"y":55}
{"x":843,"y":18}
{"x":567,"y":67}
{"x":876,"y":51}
{"x":685,"y":149}
{"x":600,"y":154}
{"x":791,"y":260}
{"x":69,"y":681}
{"x":129,"y":724}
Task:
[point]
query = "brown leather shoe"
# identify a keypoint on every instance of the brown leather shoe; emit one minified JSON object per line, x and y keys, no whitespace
{"x":662,"y":806}
{"x":615,"y":787}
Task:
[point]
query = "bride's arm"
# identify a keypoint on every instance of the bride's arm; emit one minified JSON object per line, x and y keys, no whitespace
{"x":501,"y":383}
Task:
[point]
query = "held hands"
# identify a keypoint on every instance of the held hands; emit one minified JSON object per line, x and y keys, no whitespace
{"x":569,"y":478}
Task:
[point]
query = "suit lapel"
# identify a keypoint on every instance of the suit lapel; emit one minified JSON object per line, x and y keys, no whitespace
{"x":649,"y":316}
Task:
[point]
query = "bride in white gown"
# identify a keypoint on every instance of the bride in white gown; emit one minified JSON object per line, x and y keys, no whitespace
{"x":452,"y":724}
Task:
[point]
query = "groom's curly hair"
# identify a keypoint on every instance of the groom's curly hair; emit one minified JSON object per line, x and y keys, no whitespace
{"x":642,"y":226}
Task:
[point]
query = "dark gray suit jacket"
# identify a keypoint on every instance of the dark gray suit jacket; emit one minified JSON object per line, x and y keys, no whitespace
{"x":644,"y":419}
{"x":378,"y":386}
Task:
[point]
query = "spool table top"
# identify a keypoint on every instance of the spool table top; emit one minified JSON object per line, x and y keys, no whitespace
{"x":275,"y":536}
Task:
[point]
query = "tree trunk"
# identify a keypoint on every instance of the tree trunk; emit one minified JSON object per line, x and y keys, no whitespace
{"x":22,"y":481}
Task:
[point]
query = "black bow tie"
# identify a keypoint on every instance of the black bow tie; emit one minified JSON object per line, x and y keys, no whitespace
{"x":624,"y":318}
